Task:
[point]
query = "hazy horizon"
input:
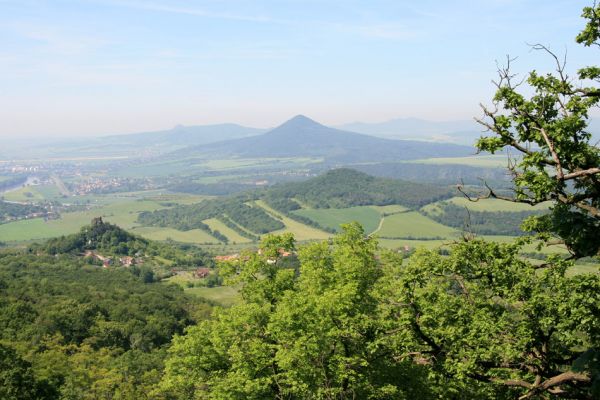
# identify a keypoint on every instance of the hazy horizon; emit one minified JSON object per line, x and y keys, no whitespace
{"x":87,"y":68}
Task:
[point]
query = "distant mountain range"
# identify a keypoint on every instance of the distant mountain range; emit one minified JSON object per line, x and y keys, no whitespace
{"x":185,"y":135}
{"x":303,"y":137}
{"x":459,"y":132}
{"x":401,"y":138}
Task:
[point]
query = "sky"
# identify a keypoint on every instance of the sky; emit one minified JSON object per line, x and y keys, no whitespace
{"x":93,"y":67}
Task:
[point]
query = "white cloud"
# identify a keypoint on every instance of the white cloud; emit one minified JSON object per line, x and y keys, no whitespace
{"x":149,"y":6}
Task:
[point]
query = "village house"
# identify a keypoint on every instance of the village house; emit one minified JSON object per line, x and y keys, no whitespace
{"x":106,"y":261}
{"x":127,"y":261}
{"x":202,"y":272}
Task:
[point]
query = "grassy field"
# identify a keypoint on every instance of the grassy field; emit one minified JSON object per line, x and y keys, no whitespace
{"x":490,"y":205}
{"x":222,"y":295}
{"x":301,"y":232}
{"x":24,"y":194}
{"x":367,"y":216}
{"x":122,"y":213}
{"x":241,"y":163}
{"x":179,"y":198}
{"x":195,"y":165}
{"x":159,"y":233}
{"x":391,"y":209}
{"x":491,"y":161}
{"x":412,"y":224}
{"x":232,"y":235}
{"x":50,"y":192}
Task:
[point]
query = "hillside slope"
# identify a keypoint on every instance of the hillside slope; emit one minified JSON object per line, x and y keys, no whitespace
{"x":344,"y":187}
{"x":303,"y":137}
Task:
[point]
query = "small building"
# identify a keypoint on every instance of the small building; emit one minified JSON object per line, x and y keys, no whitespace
{"x":202,"y":272}
{"x":127,"y":261}
{"x":230,"y":257}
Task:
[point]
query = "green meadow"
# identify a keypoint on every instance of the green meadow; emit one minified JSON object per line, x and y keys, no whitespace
{"x":301,"y":232}
{"x":367,"y":216}
{"x":491,"y":205}
{"x":489,"y":161}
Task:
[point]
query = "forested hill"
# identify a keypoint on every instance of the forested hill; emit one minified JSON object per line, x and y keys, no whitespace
{"x":110,"y":241}
{"x":344,"y":187}
{"x":71,"y":330}
{"x":99,"y":235}
{"x":339,"y":188}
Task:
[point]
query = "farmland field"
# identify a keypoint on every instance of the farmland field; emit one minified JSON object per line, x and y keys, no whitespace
{"x":301,"y":232}
{"x":413,"y":225}
{"x":123,"y":213}
{"x":159,"y":233}
{"x":491,"y":161}
{"x":367,"y":216}
{"x":491,"y":205}
{"x":232,"y":235}
{"x":222,"y":295}
{"x":24,"y":194}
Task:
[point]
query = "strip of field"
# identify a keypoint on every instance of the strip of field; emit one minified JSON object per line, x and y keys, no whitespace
{"x":232,"y":235}
{"x":367,"y":216}
{"x":391,"y":209}
{"x":491,"y":161}
{"x":300,"y":231}
{"x":191,"y":236}
{"x":491,"y":205}
{"x":413,"y":225}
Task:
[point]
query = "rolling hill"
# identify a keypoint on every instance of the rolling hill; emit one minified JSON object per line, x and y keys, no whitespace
{"x":142,"y":143}
{"x":344,"y":187}
{"x":303,"y":137}
{"x":459,"y":132}
{"x":185,"y":135}
{"x":255,"y":213}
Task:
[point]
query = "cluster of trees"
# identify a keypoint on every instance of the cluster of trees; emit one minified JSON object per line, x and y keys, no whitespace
{"x":440,"y":174}
{"x":110,"y":240}
{"x":343,"y":188}
{"x":69,"y":330}
{"x":481,"y":323}
{"x":10,"y":211}
{"x":101,"y":236}
{"x":547,"y":125}
{"x":12,"y":182}
{"x":482,"y":222}
{"x":251,"y":219}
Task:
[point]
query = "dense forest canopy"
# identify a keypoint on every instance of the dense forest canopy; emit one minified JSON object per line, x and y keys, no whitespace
{"x":9,"y":211}
{"x":481,"y":323}
{"x":343,"y":187}
{"x":71,"y":330}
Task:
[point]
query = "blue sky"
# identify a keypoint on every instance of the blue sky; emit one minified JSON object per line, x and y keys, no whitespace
{"x":89,"y":67}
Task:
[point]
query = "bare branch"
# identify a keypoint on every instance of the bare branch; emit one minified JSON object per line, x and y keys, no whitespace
{"x":584,"y":172}
{"x":565,"y":377}
{"x":494,"y":195}
{"x":559,"y":171}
